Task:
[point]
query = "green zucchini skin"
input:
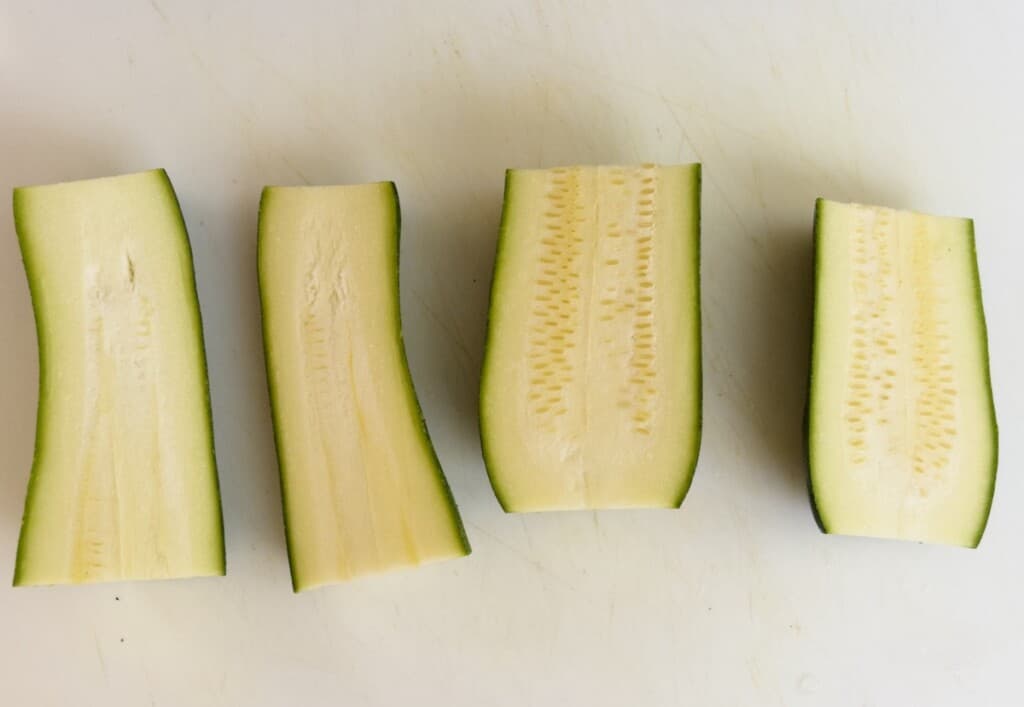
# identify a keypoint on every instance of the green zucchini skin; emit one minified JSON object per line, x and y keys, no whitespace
{"x":489,"y":462}
{"x":198,"y":323}
{"x":268,"y":360}
{"x":806,"y":425}
{"x":987,"y":373}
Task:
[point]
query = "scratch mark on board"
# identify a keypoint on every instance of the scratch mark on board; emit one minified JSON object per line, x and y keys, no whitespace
{"x":452,"y":332}
{"x":288,"y":163}
{"x":159,"y":11}
{"x":524,"y":557}
{"x":758,"y":188}
{"x":186,"y":43}
{"x":99,"y":657}
{"x":684,"y":135}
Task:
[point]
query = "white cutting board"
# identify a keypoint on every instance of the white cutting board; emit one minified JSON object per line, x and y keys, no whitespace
{"x":736,"y":599}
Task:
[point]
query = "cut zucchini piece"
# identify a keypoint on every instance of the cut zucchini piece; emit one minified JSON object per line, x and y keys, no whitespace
{"x":124,"y":482}
{"x":591,"y":390}
{"x":362,"y":488}
{"x":901,"y":424}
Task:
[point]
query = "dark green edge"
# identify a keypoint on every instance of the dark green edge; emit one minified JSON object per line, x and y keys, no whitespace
{"x":40,"y":440}
{"x":691,"y":466}
{"x":808,"y":407}
{"x":187,"y":242}
{"x":983,"y":343}
{"x":809,"y":415}
{"x":442,"y":480}
{"x":265,"y":198}
{"x":485,"y":451}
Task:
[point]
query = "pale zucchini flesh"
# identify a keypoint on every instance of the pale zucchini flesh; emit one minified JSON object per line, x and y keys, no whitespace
{"x":362,"y":488}
{"x":901,"y":424}
{"x":591,"y":391}
{"x":124,"y":482}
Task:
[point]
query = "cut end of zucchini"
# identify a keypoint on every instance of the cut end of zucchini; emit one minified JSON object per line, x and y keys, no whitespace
{"x":902,"y":430}
{"x":363,"y":491}
{"x":124,"y":483}
{"x":591,"y":393}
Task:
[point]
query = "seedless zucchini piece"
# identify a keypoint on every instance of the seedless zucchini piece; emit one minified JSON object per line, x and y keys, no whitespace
{"x":363,"y":490}
{"x":124,"y":483}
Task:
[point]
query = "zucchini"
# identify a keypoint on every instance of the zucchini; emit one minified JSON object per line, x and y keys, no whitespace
{"x":362,"y":488}
{"x":902,"y":436}
{"x":591,"y":389}
{"x":124,"y":482}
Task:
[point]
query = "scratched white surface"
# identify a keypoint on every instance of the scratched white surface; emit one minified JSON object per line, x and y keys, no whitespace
{"x":734,"y":600}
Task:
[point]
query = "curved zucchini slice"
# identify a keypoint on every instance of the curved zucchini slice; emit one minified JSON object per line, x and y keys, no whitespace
{"x":902,"y":429}
{"x":124,"y":483}
{"x":591,"y":391}
{"x":362,"y":488}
